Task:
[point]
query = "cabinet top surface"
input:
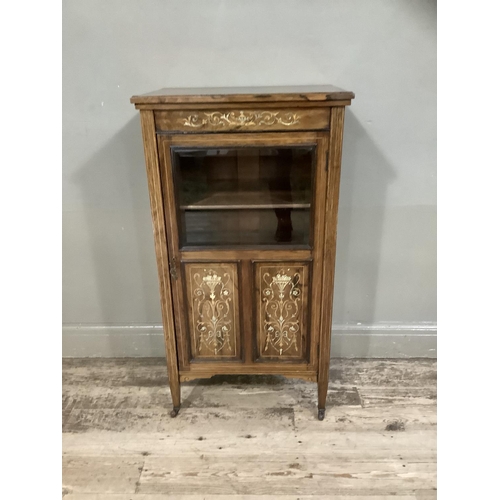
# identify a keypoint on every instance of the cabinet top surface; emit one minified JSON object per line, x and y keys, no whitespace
{"x":316,"y":93}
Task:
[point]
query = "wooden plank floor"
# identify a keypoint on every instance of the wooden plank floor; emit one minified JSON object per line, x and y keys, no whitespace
{"x":249,"y":437}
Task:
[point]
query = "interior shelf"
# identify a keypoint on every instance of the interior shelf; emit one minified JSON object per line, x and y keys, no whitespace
{"x":246,"y":200}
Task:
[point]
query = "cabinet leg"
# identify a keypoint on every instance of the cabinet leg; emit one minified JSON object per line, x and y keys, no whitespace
{"x":175,"y":391}
{"x":322,"y":391}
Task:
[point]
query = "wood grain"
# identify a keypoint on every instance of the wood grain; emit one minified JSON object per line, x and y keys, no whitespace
{"x":309,"y":93}
{"x":102,"y":474}
{"x":290,"y":474}
{"x":268,"y":139}
{"x":244,"y":105}
{"x":249,"y":341}
{"x":262,"y":253}
{"x":249,"y":436}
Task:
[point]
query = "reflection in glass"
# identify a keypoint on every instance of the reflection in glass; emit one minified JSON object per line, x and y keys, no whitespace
{"x":244,"y":196}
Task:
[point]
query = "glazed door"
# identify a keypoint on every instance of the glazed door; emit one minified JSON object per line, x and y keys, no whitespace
{"x":245,"y":217}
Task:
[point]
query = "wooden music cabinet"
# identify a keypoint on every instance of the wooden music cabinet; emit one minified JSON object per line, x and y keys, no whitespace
{"x":244,"y":190}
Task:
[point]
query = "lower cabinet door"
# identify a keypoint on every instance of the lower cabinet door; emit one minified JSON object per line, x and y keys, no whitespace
{"x":282,"y":311}
{"x":274,"y":307}
{"x":213,"y":312}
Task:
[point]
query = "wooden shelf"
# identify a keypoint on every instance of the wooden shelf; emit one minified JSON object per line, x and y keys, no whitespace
{"x":246,"y":200}
{"x":224,"y":239}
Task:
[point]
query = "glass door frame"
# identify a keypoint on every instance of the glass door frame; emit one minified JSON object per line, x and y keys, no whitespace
{"x":264,"y":188}
{"x":244,"y":256}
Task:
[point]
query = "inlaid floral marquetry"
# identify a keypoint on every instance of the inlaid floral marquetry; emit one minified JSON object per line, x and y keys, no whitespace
{"x":240,"y":118}
{"x":245,"y":120}
{"x":213,"y":303}
{"x":282,"y":293}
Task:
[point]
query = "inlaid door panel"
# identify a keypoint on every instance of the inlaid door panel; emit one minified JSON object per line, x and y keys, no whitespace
{"x":282,"y":310}
{"x":212,"y":300}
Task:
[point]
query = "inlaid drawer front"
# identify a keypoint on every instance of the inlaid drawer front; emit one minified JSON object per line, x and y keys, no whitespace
{"x":212,"y":297}
{"x":245,"y":120}
{"x":282,"y":311}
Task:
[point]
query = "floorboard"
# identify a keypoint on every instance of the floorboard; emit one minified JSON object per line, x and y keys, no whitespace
{"x":249,"y":437}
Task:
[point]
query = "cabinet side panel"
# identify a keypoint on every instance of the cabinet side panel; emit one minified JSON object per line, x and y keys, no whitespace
{"x":332,"y":202}
{"x":158,"y":216}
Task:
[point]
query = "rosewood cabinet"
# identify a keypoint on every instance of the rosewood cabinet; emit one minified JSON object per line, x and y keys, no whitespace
{"x":244,"y":188}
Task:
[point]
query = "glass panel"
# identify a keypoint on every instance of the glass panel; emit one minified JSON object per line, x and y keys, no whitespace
{"x":244,"y":196}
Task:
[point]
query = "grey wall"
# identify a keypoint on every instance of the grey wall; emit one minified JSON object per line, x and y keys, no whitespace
{"x":383,"y":50}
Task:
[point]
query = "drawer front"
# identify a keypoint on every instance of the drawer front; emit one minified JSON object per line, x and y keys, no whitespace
{"x":246,"y":120}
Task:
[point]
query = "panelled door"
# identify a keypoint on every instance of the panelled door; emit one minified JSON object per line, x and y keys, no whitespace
{"x":245,"y":224}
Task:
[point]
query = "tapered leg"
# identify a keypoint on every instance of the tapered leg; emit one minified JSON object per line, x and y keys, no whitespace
{"x":322,"y":391}
{"x":175,"y":391}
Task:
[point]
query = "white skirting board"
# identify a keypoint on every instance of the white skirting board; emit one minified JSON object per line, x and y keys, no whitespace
{"x":382,"y":340}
